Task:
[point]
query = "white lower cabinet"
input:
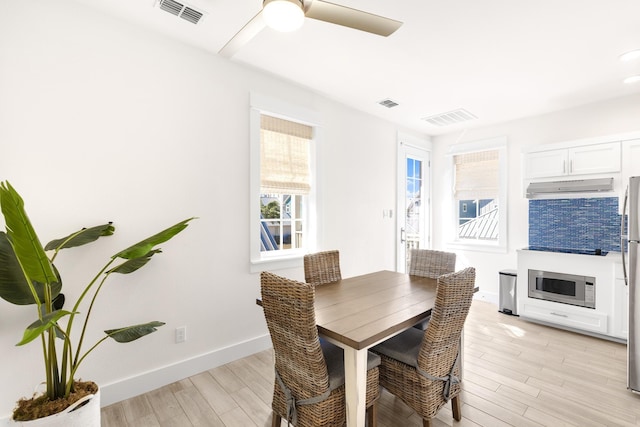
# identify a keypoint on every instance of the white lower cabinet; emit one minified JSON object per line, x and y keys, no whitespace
{"x":609,"y":318}
{"x":585,"y":319}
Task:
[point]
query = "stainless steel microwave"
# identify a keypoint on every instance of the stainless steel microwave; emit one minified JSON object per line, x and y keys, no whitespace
{"x":563,"y":288}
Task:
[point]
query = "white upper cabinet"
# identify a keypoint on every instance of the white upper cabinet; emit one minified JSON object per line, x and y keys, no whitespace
{"x":546,"y":163}
{"x":579,"y":160}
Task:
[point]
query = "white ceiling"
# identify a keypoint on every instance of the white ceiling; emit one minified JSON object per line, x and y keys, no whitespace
{"x":498,"y":59}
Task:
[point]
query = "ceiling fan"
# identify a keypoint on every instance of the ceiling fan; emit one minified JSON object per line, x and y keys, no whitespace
{"x":291,"y":13}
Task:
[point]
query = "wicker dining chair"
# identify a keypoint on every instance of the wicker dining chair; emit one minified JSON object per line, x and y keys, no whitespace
{"x":422,"y":368}
{"x":430,"y":263}
{"x":433,"y":264}
{"x":322,"y":267}
{"x":309,"y":387}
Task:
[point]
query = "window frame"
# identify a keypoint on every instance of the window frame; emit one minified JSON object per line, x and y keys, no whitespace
{"x":259,"y":260}
{"x":500,"y":245}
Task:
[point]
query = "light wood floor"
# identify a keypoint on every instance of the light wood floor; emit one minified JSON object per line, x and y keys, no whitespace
{"x":516,"y":373}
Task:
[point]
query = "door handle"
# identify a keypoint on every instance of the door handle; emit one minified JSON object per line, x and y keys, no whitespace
{"x":623,"y":240}
{"x":558,"y":314}
{"x":402,"y":235}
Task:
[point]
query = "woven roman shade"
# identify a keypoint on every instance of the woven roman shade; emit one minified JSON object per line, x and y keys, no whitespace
{"x":284,"y":156}
{"x":477,"y":175}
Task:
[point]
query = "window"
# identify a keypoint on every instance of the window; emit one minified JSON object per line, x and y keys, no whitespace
{"x":282,"y":177}
{"x":284,"y":182}
{"x":479,"y":193}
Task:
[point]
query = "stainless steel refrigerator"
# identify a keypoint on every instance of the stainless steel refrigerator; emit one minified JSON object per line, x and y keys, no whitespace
{"x":631,"y":268}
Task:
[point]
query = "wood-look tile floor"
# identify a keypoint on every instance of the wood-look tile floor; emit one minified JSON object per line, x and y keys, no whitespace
{"x":516,"y":373}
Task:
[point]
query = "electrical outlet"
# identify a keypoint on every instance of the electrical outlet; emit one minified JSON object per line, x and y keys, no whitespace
{"x":181,"y":334}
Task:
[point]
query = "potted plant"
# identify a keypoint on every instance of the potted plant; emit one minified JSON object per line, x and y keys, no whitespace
{"x":28,"y":276}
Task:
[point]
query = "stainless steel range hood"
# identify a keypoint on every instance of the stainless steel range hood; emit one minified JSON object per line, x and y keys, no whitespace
{"x":537,"y":190}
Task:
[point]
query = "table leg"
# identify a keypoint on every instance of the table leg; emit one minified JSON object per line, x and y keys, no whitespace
{"x":355,"y":369}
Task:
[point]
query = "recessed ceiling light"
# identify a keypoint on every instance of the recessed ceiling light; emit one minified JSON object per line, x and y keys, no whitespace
{"x":630,"y":56}
{"x":632,"y":79}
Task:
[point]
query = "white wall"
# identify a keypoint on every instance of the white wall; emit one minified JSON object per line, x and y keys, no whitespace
{"x":103,"y":121}
{"x":604,"y":118}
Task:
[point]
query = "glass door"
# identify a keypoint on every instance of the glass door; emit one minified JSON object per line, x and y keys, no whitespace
{"x":413,"y":231}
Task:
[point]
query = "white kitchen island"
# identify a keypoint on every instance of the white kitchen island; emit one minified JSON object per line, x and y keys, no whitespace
{"x":609,"y":317}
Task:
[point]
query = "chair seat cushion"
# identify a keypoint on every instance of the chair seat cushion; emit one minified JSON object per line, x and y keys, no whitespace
{"x":423,"y":324}
{"x":404,"y":347}
{"x":334,"y":357}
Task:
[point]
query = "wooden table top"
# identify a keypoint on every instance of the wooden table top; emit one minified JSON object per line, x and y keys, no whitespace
{"x":360,"y":311}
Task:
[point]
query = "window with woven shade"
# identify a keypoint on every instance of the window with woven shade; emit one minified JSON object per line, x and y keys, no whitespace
{"x":479,"y":192}
{"x":285,"y":183}
{"x":283,"y":212}
{"x":476,"y":191}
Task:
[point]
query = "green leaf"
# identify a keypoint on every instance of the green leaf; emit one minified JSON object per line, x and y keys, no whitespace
{"x":82,"y":237}
{"x":14,"y":286}
{"x":39,"y":327}
{"x":140,"y":249}
{"x":23,"y":238}
{"x":131,"y":265}
{"x":132,"y":333}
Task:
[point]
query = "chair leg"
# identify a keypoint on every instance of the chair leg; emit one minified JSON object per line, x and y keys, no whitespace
{"x":426,"y":422}
{"x":372,"y":415}
{"x":455,"y":408}
{"x":275,"y":420}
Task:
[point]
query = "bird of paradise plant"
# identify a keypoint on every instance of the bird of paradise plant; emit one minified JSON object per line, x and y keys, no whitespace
{"x":28,"y":276}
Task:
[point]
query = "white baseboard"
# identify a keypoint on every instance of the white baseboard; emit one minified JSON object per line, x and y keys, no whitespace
{"x":151,"y":380}
{"x":487,"y":296}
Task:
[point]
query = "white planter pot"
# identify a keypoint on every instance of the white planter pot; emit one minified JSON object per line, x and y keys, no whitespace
{"x":76,"y":415}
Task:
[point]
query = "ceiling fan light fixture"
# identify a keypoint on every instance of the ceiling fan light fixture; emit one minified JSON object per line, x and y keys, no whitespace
{"x":283,"y":15}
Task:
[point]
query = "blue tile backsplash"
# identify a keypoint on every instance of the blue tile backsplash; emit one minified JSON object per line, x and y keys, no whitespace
{"x":588,"y":223}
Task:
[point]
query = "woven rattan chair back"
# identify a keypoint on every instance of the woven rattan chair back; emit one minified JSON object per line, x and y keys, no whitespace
{"x":299,"y":359}
{"x":430,"y":263}
{"x":322,"y":267}
{"x":290,"y":315}
{"x":441,"y":344}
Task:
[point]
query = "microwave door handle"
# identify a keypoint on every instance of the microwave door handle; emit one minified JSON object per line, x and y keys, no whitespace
{"x":623,"y":240}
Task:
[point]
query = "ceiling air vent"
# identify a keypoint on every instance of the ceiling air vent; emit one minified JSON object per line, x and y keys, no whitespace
{"x":450,"y":118}
{"x":388,"y":103}
{"x":180,"y":10}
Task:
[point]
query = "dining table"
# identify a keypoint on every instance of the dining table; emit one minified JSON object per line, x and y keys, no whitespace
{"x":359,"y":312}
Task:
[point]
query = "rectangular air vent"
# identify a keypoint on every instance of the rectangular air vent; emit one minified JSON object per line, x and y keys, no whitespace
{"x":181,"y":10}
{"x":388,"y":103}
{"x":450,"y":118}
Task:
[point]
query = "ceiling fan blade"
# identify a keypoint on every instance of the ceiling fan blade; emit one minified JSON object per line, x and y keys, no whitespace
{"x":352,"y":18}
{"x":244,"y":36}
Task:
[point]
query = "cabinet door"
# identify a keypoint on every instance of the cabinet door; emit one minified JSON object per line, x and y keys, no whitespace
{"x":597,"y":158}
{"x":545,"y":164}
{"x":556,"y":314}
